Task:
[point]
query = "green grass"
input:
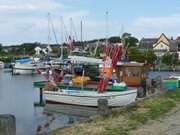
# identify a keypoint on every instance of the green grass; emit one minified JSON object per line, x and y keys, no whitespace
{"x":121,"y":121}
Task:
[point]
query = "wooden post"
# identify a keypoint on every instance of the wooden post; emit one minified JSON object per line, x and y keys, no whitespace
{"x":103,"y":108}
{"x":41,"y":96}
{"x":7,"y":125}
{"x":140,"y":92}
{"x":41,"y":102}
{"x":159,"y":85}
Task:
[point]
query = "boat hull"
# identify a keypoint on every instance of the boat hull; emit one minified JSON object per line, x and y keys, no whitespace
{"x":1,"y":65}
{"x":27,"y":68}
{"x":23,"y":71}
{"x":90,"y":98}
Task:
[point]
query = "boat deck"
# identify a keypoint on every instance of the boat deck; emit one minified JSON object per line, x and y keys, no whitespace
{"x":88,"y":87}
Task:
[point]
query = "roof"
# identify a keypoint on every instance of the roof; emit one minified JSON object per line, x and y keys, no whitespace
{"x":148,"y":42}
{"x":159,"y":43}
{"x":173,"y":45}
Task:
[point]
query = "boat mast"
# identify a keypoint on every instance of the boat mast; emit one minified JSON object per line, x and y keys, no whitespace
{"x":71,"y":29}
{"x":49,"y":32}
{"x":81,"y":36}
{"x":107,"y":28}
{"x":62,"y":39}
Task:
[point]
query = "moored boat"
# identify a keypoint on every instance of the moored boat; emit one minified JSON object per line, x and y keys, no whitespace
{"x":87,"y":95}
{"x":1,"y":65}
{"x":172,"y":82}
{"x":90,"y":97}
{"x":27,"y":66}
{"x":78,"y":92}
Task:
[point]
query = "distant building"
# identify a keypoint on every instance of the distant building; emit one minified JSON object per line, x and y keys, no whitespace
{"x":161,"y":45}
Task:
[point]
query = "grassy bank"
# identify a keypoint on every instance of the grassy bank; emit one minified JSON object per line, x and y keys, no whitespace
{"x":122,"y":121}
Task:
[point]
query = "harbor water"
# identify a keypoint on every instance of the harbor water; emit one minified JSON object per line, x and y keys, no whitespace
{"x":17,"y":97}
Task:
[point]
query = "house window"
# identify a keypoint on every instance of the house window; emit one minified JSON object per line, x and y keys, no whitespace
{"x":161,"y":45}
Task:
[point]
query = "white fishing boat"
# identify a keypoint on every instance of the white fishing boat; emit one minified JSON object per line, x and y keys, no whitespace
{"x":90,"y":98}
{"x":1,"y":65}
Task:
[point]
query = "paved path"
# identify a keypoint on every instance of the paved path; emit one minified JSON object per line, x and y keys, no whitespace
{"x":169,"y":125}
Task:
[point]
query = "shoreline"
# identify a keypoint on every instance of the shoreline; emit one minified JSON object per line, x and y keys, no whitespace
{"x":125,"y":120}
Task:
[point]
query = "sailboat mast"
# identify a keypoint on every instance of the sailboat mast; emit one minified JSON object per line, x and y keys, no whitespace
{"x":107,"y":28}
{"x":81,"y":35}
{"x":62,"y":39}
{"x":49,"y":29}
{"x":71,"y":29}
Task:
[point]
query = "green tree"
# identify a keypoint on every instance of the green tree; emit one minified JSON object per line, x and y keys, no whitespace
{"x":1,"y":47}
{"x":149,"y":56}
{"x":170,"y":59}
{"x":135,"y":55}
{"x":114,"y":39}
{"x":129,"y":41}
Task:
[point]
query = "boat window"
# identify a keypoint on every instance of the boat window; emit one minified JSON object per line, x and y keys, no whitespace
{"x":132,"y":71}
{"x":135,"y":71}
{"x":127,"y":72}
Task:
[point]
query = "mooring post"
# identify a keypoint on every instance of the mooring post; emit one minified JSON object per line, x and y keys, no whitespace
{"x":103,"y":108}
{"x":7,"y":124}
{"x":41,"y":96}
{"x":41,"y":102}
{"x":159,"y":84}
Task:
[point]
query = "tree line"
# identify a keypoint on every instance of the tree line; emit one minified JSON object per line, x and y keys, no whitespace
{"x":133,"y":52}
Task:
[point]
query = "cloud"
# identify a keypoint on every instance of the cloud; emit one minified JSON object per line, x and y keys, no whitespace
{"x":153,"y":26}
{"x":26,"y":21}
{"x":30,"y":5}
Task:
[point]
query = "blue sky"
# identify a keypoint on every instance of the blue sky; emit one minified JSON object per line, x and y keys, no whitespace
{"x":26,"y":20}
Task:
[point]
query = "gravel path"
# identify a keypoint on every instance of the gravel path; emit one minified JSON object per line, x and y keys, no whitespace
{"x":169,"y":125}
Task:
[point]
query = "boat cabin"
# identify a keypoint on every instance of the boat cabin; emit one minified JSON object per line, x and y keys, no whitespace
{"x":132,"y":73}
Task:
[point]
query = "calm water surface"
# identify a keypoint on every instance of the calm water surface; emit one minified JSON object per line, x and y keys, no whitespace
{"x":17,"y":97}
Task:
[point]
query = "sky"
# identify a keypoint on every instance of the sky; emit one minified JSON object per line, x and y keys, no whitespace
{"x":27,"y":20}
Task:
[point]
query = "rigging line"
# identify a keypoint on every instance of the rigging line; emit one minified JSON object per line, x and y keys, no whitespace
{"x":73,"y":29}
{"x":49,"y":32}
{"x":62,"y":30}
{"x":53,"y":29}
{"x":65,"y":30}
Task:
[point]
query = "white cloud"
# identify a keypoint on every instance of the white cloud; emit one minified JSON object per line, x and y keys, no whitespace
{"x":32,"y":5}
{"x":154,"y":26}
{"x":26,"y":21}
